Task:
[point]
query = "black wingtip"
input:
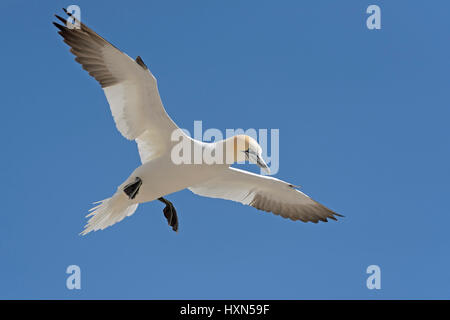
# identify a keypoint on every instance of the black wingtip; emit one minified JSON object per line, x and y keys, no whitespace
{"x":140,"y":62}
{"x":61,"y":19}
{"x":60,"y":27}
{"x":67,"y":12}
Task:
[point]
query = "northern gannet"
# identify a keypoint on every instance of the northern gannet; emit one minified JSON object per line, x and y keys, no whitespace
{"x":132,"y":93}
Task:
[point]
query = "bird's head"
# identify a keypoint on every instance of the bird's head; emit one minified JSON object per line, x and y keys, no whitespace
{"x":245,"y":148}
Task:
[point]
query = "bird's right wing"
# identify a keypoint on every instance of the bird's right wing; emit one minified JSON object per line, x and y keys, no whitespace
{"x":264,"y":193}
{"x":130,"y":88}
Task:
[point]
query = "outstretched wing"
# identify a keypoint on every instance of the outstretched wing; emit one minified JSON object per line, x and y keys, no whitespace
{"x":264,"y":193}
{"x":130,"y":88}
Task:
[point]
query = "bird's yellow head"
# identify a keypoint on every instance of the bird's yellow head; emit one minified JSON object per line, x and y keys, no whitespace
{"x":242,"y":148}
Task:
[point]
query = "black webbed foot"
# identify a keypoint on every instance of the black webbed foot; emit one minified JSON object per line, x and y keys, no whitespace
{"x":132,"y":189}
{"x":170,"y":213}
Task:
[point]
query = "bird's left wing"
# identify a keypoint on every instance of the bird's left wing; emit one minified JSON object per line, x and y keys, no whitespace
{"x":130,"y":88}
{"x":264,"y":193}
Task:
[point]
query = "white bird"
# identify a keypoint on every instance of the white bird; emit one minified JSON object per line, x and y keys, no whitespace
{"x":132,"y":93}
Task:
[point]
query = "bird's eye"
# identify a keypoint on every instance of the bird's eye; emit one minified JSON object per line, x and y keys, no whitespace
{"x":247,"y":152}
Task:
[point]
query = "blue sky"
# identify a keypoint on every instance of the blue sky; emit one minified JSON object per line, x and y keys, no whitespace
{"x":363,"y":119}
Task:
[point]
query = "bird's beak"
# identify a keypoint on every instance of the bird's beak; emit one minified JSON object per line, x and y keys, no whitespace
{"x":253,"y":157}
{"x":260,"y":162}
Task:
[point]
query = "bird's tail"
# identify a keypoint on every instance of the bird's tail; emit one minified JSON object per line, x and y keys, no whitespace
{"x":108,"y":212}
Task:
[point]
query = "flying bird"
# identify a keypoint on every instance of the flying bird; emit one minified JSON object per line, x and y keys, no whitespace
{"x":139,"y":115}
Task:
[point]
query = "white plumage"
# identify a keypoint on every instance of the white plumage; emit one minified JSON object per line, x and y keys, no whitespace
{"x":132,"y":93}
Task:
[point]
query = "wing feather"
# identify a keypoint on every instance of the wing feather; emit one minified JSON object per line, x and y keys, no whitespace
{"x":129,"y":86}
{"x":264,"y":193}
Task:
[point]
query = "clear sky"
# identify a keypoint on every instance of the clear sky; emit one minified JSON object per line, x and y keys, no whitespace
{"x":364,"y":128}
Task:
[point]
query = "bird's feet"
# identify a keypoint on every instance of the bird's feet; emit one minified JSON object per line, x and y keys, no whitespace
{"x":170,"y":213}
{"x":132,"y":189}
